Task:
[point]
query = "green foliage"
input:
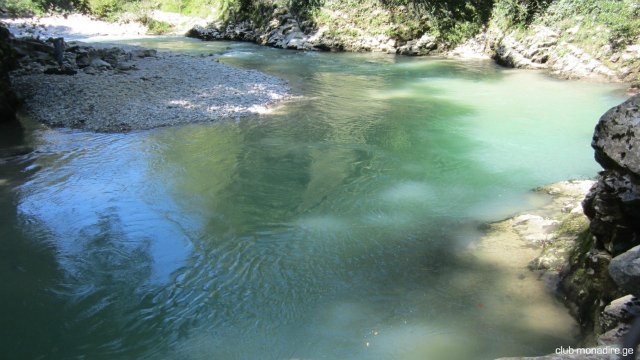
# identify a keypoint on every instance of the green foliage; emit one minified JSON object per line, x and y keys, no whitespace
{"x":39,"y":7}
{"x":613,"y":22}
{"x":616,"y":22}
{"x":510,"y":13}
{"x":21,"y":7}
{"x":155,"y":27}
{"x":107,"y":9}
{"x":188,"y":7}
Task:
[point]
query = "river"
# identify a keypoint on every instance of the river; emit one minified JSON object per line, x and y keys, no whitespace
{"x":334,"y":227}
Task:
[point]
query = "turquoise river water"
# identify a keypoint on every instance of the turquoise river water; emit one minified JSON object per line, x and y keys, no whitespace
{"x":335,"y":227}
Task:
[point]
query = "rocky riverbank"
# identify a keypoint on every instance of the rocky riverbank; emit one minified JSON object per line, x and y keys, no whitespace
{"x":560,"y":49}
{"x":543,"y":47}
{"x":285,"y":31}
{"x":121,"y":89}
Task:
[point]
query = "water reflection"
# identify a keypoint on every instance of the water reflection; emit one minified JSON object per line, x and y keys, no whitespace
{"x":326,"y":230}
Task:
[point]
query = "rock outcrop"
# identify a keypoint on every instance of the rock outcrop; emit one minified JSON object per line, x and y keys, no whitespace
{"x":544,"y":48}
{"x":537,"y":47}
{"x":602,"y":281}
{"x":613,"y":205}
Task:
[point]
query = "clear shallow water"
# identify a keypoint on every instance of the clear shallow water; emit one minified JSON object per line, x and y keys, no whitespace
{"x":333,"y":228}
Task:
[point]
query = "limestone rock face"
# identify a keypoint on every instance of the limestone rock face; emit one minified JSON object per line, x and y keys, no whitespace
{"x":542,"y":48}
{"x":613,"y":204}
{"x":286,"y":32}
{"x":422,"y":46}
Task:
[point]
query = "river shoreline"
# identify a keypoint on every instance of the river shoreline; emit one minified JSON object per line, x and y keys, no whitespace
{"x":146,"y":92}
{"x":545,"y":240}
{"x":539,"y":51}
{"x":120,"y":88}
{"x":102,"y":89}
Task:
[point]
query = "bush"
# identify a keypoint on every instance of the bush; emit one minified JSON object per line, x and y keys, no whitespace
{"x":39,"y":7}
{"x":21,"y":7}
{"x":155,"y":27}
{"x":106,"y":9}
{"x":518,"y":13}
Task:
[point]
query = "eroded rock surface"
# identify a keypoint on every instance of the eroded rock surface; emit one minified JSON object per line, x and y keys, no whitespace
{"x":613,"y":205}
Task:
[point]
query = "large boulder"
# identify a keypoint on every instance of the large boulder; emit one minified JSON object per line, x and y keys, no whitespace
{"x":613,"y":204}
{"x":625,"y":270}
{"x":617,"y":137}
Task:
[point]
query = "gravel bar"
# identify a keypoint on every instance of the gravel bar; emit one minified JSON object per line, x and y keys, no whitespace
{"x":169,"y":89}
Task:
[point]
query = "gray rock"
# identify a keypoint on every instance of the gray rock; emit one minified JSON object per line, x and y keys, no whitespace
{"x":144,"y":53}
{"x":613,"y":205}
{"x":111,"y":55}
{"x":613,"y":336}
{"x":83,"y":60}
{"x":125,"y":66}
{"x":617,"y":137}
{"x":625,"y":271}
{"x":621,"y":310}
{"x":60,"y":71}
{"x":90,"y":70}
{"x":421,"y":46}
{"x":99,"y":64}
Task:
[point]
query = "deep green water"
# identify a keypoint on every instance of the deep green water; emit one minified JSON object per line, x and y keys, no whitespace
{"x":333,"y":228}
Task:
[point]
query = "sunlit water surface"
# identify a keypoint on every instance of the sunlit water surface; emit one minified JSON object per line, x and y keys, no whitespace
{"x":333,"y":228}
